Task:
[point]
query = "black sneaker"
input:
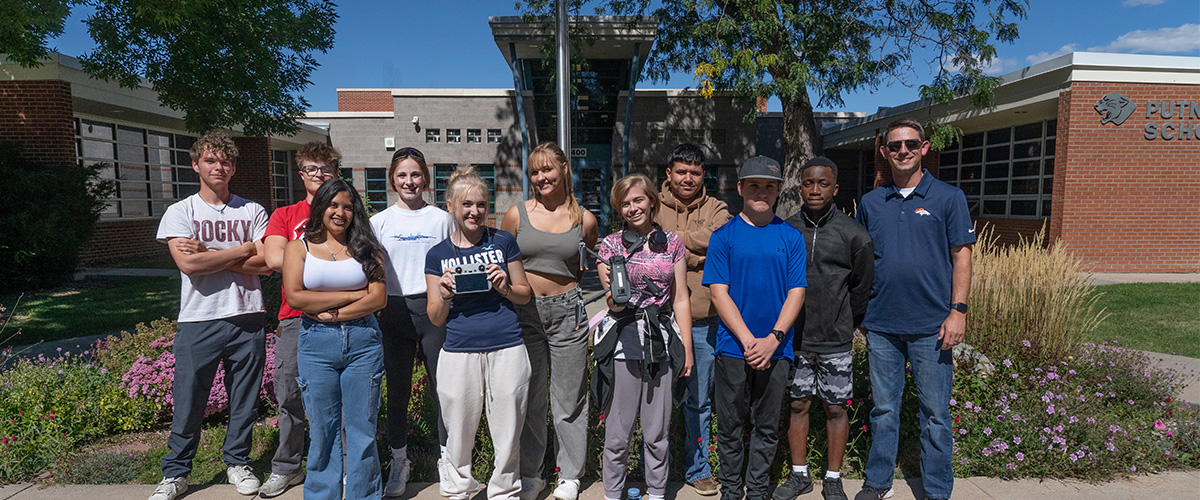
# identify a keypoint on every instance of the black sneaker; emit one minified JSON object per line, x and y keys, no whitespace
{"x":831,"y":489}
{"x":873,"y":493}
{"x":797,"y":484}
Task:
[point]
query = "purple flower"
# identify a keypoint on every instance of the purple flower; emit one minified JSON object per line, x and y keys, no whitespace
{"x":1026,"y":343}
{"x":1016,"y":439}
{"x":1020,"y":456}
{"x":1008,"y":363}
{"x":987,"y":431}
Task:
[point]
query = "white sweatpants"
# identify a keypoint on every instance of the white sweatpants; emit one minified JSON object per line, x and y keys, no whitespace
{"x":465,"y":381}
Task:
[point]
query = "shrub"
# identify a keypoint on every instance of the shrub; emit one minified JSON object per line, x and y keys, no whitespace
{"x":48,"y":406}
{"x":119,"y":352}
{"x":44,"y":222}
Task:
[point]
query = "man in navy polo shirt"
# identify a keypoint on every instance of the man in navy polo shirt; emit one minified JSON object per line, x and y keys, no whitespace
{"x":917,"y":312}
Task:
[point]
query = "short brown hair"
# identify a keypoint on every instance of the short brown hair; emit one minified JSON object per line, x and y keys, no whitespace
{"x":218,"y":142}
{"x":624,"y":184}
{"x":318,"y":152}
{"x":904,"y":123}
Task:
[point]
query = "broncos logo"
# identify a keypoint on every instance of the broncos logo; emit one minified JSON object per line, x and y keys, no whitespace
{"x":1114,"y":108}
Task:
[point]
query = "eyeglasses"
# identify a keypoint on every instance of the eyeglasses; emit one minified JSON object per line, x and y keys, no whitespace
{"x":313,"y":169}
{"x":911,"y":144}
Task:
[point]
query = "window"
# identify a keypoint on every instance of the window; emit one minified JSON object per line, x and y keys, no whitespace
{"x":377,"y":196}
{"x":1007,"y":172}
{"x":473,"y":135}
{"x":433,"y":135}
{"x":281,"y":177}
{"x":441,"y":176}
{"x":152,"y":168}
{"x":493,"y":136}
{"x":696,"y":136}
{"x":657,"y":135}
{"x":454,"y":135}
{"x":718,"y":135}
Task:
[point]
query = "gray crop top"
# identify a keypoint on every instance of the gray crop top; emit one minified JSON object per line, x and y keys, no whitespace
{"x":556,"y":254}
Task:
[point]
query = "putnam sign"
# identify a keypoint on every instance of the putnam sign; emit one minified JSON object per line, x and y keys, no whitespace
{"x":1170,"y":120}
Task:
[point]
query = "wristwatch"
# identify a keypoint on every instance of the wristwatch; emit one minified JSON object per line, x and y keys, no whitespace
{"x":779,"y":334}
{"x":959,"y":306}
{"x":333,"y":312}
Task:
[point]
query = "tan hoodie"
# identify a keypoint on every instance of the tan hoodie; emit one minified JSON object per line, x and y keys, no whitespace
{"x":694,"y":223}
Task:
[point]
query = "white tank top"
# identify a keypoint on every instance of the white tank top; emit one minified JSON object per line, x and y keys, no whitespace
{"x":333,"y":275}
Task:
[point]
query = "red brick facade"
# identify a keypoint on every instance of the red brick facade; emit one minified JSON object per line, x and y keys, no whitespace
{"x":1121,"y":202}
{"x":365,"y":100}
{"x":38,"y":114}
{"x":123,"y":241}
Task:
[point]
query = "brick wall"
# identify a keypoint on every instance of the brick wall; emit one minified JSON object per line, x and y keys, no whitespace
{"x":253,"y":177}
{"x":365,"y":100}
{"x":1121,"y":202}
{"x":38,"y":114}
{"x":1011,"y":231}
{"x":123,"y":241}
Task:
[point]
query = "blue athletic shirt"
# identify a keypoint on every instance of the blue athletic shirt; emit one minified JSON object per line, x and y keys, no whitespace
{"x":913,"y":268}
{"x":484,"y":321}
{"x":760,"y":265}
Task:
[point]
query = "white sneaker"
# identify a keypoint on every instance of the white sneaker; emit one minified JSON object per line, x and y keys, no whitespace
{"x":443,"y":467}
{"x":397,"y":480}
{"x":278,"y":483}
{"x":568,"y":489}
{"x":169,"y":488}
{"x":242,"y":476}
{"x":531,"y":488}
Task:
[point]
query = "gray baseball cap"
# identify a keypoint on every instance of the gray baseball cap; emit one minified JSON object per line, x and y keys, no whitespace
{"x":761,"y":167}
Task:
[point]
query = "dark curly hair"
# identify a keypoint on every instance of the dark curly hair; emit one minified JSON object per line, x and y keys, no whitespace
{"x":360,"y":238}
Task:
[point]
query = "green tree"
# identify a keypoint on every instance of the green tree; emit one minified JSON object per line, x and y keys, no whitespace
{"x":802,"y":50}
{"x":222,"y":63}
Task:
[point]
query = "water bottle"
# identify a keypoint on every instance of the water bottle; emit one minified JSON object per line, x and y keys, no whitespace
{"x":634,"y":494}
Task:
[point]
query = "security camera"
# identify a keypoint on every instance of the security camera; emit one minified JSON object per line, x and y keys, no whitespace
{"x":415,"y":120}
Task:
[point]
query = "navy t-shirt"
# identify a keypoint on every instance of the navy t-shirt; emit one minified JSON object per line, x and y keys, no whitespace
{"x":760,"y":265}
{"x":913,"y":268}
{"x":484,"y":321}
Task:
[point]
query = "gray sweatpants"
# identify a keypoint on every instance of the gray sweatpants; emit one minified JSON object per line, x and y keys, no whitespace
{"x":558,"y":361}
{"x":632,"y":396}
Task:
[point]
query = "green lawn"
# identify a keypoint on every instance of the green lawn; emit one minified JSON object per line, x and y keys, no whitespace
{"x":112,"y":305}
{"x":1159,"y":317}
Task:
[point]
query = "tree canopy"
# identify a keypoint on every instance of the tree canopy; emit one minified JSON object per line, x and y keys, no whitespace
{"x":223,"y":64}
{"x":802,"y":50}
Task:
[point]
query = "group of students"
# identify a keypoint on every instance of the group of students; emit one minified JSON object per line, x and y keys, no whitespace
{"x":708,"y":325}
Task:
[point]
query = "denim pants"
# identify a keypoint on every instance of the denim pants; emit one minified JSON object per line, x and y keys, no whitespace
{"x":341,"y":369}
{"x":199,"y":347}
{"x":933,"y":373}
{"x":697,"y":410}
{"x":558,"y":360}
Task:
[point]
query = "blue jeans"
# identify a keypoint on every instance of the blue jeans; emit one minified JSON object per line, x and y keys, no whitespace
{"x":933,"y":374}
{"x":697,"y":410}
{"x":341,"y":368}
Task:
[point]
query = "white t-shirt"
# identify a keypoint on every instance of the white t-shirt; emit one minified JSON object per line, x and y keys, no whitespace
{"x":406,"y":236}
{"x":222,"y":294}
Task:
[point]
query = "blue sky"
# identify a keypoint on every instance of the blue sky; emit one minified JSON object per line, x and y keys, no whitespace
{"x":423,"y":44}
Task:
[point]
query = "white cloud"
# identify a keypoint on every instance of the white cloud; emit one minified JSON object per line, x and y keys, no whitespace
{"x":1179,"y":40}
{"x":1135,"y":3}
{"x":1046,"y":56}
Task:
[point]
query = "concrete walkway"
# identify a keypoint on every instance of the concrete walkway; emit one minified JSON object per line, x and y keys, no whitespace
{"x":1115,"y":278}
{"x":1166,"y":486}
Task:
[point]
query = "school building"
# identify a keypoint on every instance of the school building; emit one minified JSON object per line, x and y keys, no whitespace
{"x":1102,"y":149}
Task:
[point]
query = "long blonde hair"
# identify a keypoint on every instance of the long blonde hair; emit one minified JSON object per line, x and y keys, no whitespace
{"x":460,"y":183}
{"x":559,"y":158}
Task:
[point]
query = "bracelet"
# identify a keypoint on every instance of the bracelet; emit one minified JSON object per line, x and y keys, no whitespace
{"x":504,"y":294}
{"x":447,"y":298}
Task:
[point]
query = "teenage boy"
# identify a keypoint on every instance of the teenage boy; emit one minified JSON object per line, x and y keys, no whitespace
{"x":841,"y":264}
{"x":213,"y":236}
{"x":689,"y":212}
{"x":918,"y":309}
{"x":756,"y":273}
{"x":317,"y":163}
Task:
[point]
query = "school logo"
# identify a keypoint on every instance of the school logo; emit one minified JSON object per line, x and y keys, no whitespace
{"x":1115,"y":108}
{"x":922,"y":211}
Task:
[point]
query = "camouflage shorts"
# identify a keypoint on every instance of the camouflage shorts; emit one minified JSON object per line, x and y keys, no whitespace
{"x":827,"y":376}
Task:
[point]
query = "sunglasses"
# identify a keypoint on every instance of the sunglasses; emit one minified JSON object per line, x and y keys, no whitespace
{"x":313,"y":169}
{"x":910,"y":144}
{"x":408,"y":152}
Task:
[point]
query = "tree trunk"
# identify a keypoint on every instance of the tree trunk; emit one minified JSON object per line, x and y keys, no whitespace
{"x":801,"y":141}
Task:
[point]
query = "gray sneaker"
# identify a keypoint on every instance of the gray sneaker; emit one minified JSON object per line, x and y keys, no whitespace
{"x":873,"y":493}
{"x":397,"y":480}
{"x":242,"y":476}
{"x":831,"y":489}
{"x":169,"y":488}
{"x":797,"y":484}
{"x":276,"y":484}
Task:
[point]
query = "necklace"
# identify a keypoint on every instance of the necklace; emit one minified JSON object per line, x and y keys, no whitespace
{"x":218,"y":210}
{"x":332,"y":254}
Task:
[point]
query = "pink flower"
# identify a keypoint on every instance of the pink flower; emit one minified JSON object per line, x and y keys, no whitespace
{"x":1159,"y":425}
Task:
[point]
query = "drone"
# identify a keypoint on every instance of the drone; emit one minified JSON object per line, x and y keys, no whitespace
{"x":618,"y":277}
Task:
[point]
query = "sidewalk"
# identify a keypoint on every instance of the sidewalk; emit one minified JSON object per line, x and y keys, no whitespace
{"x":1165,"y":486}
